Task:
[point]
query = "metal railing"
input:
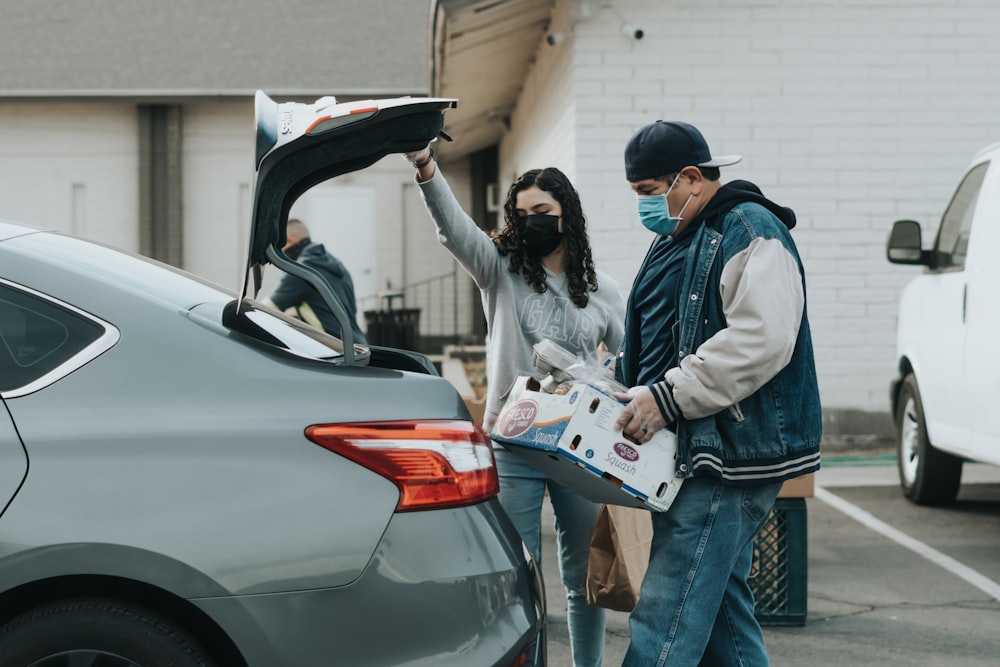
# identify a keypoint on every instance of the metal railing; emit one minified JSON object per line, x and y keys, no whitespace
{"x":437,"y":299}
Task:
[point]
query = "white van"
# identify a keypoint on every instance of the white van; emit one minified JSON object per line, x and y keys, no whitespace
{"x":946,"y":397}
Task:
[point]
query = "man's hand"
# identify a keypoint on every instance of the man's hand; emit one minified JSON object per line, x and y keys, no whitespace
{"x":641,"y":418}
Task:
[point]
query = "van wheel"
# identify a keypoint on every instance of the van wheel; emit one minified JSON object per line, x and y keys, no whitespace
{"x":928,"y":475}
{"x":96,"y":632}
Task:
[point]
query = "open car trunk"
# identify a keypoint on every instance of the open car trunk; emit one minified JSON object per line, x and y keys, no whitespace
{"x":297,"y":146}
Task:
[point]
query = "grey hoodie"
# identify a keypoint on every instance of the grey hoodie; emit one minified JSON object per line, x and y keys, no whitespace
{"x":517,"y":316}
{"x":293,"y":291}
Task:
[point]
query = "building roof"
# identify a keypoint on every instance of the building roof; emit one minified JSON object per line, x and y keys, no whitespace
{"x":197,"y":48}
{"x":482,"y":53}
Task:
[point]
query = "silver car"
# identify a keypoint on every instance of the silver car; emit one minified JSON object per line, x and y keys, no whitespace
{"x":189,"y":478}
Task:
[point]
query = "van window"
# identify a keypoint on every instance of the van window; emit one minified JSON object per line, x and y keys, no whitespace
{"x":953,"y":237}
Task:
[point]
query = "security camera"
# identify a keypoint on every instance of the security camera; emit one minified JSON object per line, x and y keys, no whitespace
{"x":554,"y":38}
{"x":632,"y":31}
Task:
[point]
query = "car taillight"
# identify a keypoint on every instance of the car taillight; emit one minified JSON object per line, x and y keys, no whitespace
{"x":435,"y":464}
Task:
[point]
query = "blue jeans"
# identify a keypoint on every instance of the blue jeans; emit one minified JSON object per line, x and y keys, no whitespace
{"x":695,"y":606}
{"x":522,"y":490}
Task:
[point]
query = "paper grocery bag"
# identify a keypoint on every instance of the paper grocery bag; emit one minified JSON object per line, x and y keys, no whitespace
{"x":619,"y":555}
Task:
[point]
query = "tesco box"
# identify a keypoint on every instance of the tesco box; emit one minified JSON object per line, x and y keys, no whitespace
{"x":571,"y":437}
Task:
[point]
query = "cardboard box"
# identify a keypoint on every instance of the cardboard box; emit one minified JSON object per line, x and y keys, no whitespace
{"x":798,"y":487}
{"x":571,"y":438}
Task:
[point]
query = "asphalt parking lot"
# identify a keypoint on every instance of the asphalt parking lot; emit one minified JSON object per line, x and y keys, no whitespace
{"x":888,"y":583}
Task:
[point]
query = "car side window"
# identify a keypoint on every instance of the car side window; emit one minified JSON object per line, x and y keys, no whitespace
{"x":953,"y":237}
{"x":37,"y":336}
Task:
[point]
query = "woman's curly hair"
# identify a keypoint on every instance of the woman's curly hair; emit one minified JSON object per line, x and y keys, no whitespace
{"x":580,"y":272}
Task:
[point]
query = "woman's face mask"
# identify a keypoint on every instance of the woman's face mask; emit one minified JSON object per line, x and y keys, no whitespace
{"x":654,"y":211}
{"x":540,"y":233}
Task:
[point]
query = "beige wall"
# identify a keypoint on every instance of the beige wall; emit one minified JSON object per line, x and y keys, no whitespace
{"x":217,"y":163}
{"x":71,"y":167}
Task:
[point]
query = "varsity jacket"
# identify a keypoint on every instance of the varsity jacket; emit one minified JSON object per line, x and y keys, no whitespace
{"x":744,"y":398}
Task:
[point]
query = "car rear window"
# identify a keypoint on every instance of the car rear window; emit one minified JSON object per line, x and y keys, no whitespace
{"x":39,"y":336}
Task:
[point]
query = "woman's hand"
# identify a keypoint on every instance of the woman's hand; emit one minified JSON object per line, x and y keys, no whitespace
{"x":416,"y":157}
{"x":423,"y":161}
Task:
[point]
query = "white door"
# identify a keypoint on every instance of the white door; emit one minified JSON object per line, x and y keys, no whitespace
{"x":342,"y":218}
{"x":218,"y":170}
{"x":981,"y":376}
{"x":72,"y":167}
{"x":942,"y":375}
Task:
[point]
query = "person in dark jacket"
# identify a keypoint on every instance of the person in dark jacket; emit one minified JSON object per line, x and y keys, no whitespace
{"x":293,"y":292}
{"x":717,"y":349}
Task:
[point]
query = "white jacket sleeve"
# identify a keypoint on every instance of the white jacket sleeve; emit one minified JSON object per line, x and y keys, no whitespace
{"x":763,"y":300}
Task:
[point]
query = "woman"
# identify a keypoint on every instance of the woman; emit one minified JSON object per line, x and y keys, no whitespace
{"x":538,"y":281}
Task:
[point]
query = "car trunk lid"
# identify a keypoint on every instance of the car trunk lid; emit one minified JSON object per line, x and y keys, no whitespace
{"x":300,"y":145}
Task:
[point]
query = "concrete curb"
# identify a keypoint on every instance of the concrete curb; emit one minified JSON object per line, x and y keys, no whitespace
{"x":873,"y":442}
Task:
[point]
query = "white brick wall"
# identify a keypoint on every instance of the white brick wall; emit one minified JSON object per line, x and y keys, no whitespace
{"x":853,"y":113}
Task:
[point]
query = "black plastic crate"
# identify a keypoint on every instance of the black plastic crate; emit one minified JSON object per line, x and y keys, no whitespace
{"x":778,"y":575}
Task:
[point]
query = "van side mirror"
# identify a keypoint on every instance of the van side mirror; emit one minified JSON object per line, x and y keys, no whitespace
{"x":904,"y":245}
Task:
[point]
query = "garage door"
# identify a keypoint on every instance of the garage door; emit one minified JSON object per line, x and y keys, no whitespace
{"x":72,"y":167}
{"x":217,"y":159}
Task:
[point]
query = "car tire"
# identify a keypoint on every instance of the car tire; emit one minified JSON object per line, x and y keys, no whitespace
{"x":91,"y":631}
{"x":928,"y":475}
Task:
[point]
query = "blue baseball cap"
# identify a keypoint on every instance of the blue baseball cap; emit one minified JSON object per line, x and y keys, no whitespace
{"x":665,"y":147}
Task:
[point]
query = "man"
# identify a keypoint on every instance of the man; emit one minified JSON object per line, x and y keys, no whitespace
{"x":717,"y":348}
{"x":293,"y":292}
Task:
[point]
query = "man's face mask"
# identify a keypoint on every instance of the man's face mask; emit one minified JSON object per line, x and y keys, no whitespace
{"x":654,"y":211}
{"x":540,"y":233}
{"x":295,"y":250}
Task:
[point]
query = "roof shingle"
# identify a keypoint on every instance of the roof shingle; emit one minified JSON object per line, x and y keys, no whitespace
{"x":175,"y":48}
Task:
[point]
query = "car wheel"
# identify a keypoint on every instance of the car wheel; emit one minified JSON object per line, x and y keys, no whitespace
{"x":96,"y":632}
{"x":928,"y":475}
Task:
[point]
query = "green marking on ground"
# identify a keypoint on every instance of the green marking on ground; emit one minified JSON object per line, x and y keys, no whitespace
{"x":884,"y":459}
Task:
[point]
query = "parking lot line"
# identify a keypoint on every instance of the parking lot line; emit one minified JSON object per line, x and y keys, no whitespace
{"x":964,"y":572}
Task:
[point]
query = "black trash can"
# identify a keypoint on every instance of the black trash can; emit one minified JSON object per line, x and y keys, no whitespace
{"x":393,"y":328}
